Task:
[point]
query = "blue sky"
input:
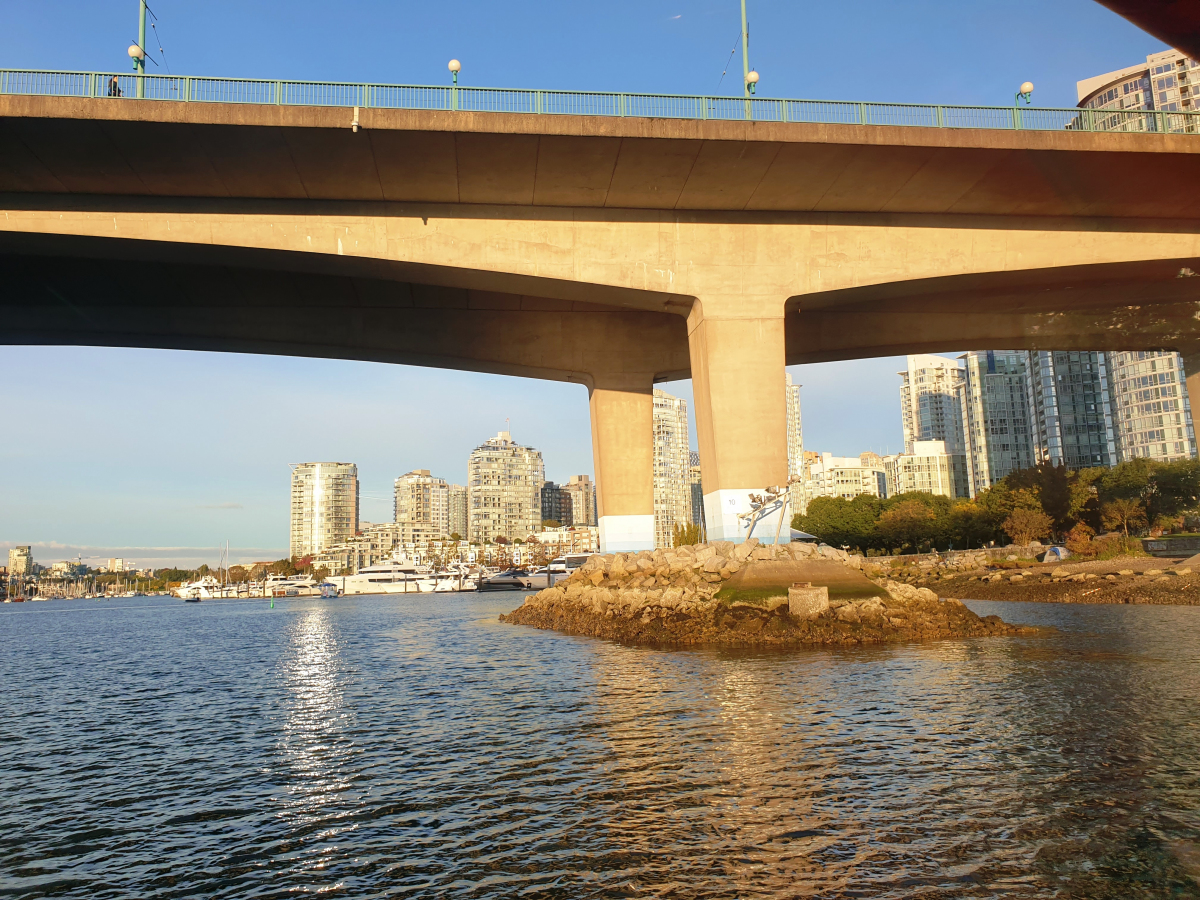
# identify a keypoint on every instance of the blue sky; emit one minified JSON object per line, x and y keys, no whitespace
{"x":160,"y":455}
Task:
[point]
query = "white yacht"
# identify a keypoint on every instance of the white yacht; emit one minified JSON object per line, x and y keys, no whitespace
{"x":297,"y":586}
{"x":456,"y":578}
{"x":391,"y":577}
{"x":205,"y":588}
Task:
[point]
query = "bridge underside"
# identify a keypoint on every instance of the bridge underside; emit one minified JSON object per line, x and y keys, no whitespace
{"x":610,"y":253}
{"x":69,"y":290}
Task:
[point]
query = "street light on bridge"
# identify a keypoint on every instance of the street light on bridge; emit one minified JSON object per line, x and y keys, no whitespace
{"x":751,"y":80}
{"x":455,"y":67}
{"x":1025,"y":93}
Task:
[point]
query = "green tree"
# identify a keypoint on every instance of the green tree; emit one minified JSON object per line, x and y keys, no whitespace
{"x":909,"y":525}
{"x":1123,"y":513}
{"x":839,"y":522}
{"x":685,"y":535}
{"x":1130,"y":480}
{"x":1175,"y":489}
{"x":283,"y":567}
{"x":970,"y":525}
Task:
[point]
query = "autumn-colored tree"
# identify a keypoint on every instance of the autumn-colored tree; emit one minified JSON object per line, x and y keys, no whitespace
{"x":1079,"y":539}
{"x":1122,"y":513}
{"x":1026,"y":525}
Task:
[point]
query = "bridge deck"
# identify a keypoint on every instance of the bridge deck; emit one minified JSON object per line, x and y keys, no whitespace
{"x":70,"y":145}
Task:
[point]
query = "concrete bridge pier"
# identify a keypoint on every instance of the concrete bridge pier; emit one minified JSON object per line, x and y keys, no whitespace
{"x":738,"y":355}
{"x":622,"y":411}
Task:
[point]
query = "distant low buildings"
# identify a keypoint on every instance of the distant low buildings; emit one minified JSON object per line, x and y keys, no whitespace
{"x":846,"y":477}
{"x":928,"y":468}
{"x":569,"y":539}
{"x":325,"y":504}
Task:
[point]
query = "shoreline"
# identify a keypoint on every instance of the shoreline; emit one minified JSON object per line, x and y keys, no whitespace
{"x":1127,"y":581}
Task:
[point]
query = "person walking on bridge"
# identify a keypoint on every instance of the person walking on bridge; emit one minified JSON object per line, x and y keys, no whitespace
{"x":114,"y":87}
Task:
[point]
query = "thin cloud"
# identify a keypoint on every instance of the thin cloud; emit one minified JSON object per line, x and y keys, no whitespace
{"x":222,"y":506}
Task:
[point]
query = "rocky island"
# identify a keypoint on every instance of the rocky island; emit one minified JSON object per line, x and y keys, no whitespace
{"x":746,"y":595}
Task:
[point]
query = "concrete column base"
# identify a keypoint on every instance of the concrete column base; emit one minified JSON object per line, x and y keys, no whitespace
{"x":721,"y":511}
{"x":626,"y":534}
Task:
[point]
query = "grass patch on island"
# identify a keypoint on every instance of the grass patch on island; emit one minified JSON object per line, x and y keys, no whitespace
{"x":758,"y":595}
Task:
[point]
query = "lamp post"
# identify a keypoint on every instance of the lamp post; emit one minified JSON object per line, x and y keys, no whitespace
{"x":455,"y":67}
{"x":746,"y":54}
{"x":749,"y":76}
{"x":137,"y":52}
{"x":1025,"y":93}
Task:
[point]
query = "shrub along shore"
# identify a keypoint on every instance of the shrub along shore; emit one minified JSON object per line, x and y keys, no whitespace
{"x":1033,"y":504}
{"x":736,"y":595}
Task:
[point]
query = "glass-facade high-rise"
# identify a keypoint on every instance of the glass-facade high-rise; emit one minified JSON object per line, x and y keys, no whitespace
{"x":995,"y":415}
{"x":797,"y":478}
{"x":672,"y":468}
{"x":1071,"y":416}
{"x":1151,"y":412}
{"x":324,"y":506}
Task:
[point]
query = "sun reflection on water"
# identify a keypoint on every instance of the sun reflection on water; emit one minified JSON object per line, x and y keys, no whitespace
{"x":316,"y":740}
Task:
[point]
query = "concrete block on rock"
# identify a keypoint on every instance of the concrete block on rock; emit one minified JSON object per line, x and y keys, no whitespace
{"x":806,"y":601}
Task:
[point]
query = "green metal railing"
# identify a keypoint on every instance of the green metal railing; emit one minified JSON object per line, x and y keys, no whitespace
{"x":586,"y":103}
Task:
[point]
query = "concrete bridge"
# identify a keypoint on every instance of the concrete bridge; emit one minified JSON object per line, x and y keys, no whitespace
{"x":610,"y":251}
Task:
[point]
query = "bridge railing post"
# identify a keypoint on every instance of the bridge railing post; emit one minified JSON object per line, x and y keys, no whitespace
{"x":622,"y":106}
{"x":862,"y":114}
{"x":939,"y":117}
{"x":278,"y":93}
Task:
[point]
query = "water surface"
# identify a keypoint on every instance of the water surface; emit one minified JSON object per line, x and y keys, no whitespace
{"x":416,"y":747}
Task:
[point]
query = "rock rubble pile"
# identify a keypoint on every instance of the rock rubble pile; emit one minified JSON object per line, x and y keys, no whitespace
{"x":737,"y":595}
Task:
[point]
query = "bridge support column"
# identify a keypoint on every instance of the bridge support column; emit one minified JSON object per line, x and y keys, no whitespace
{"x":623,"y":451}
{"x":737,"y":352}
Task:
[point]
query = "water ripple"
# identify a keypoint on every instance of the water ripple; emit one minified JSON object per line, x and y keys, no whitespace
{"x":405,"y":747}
